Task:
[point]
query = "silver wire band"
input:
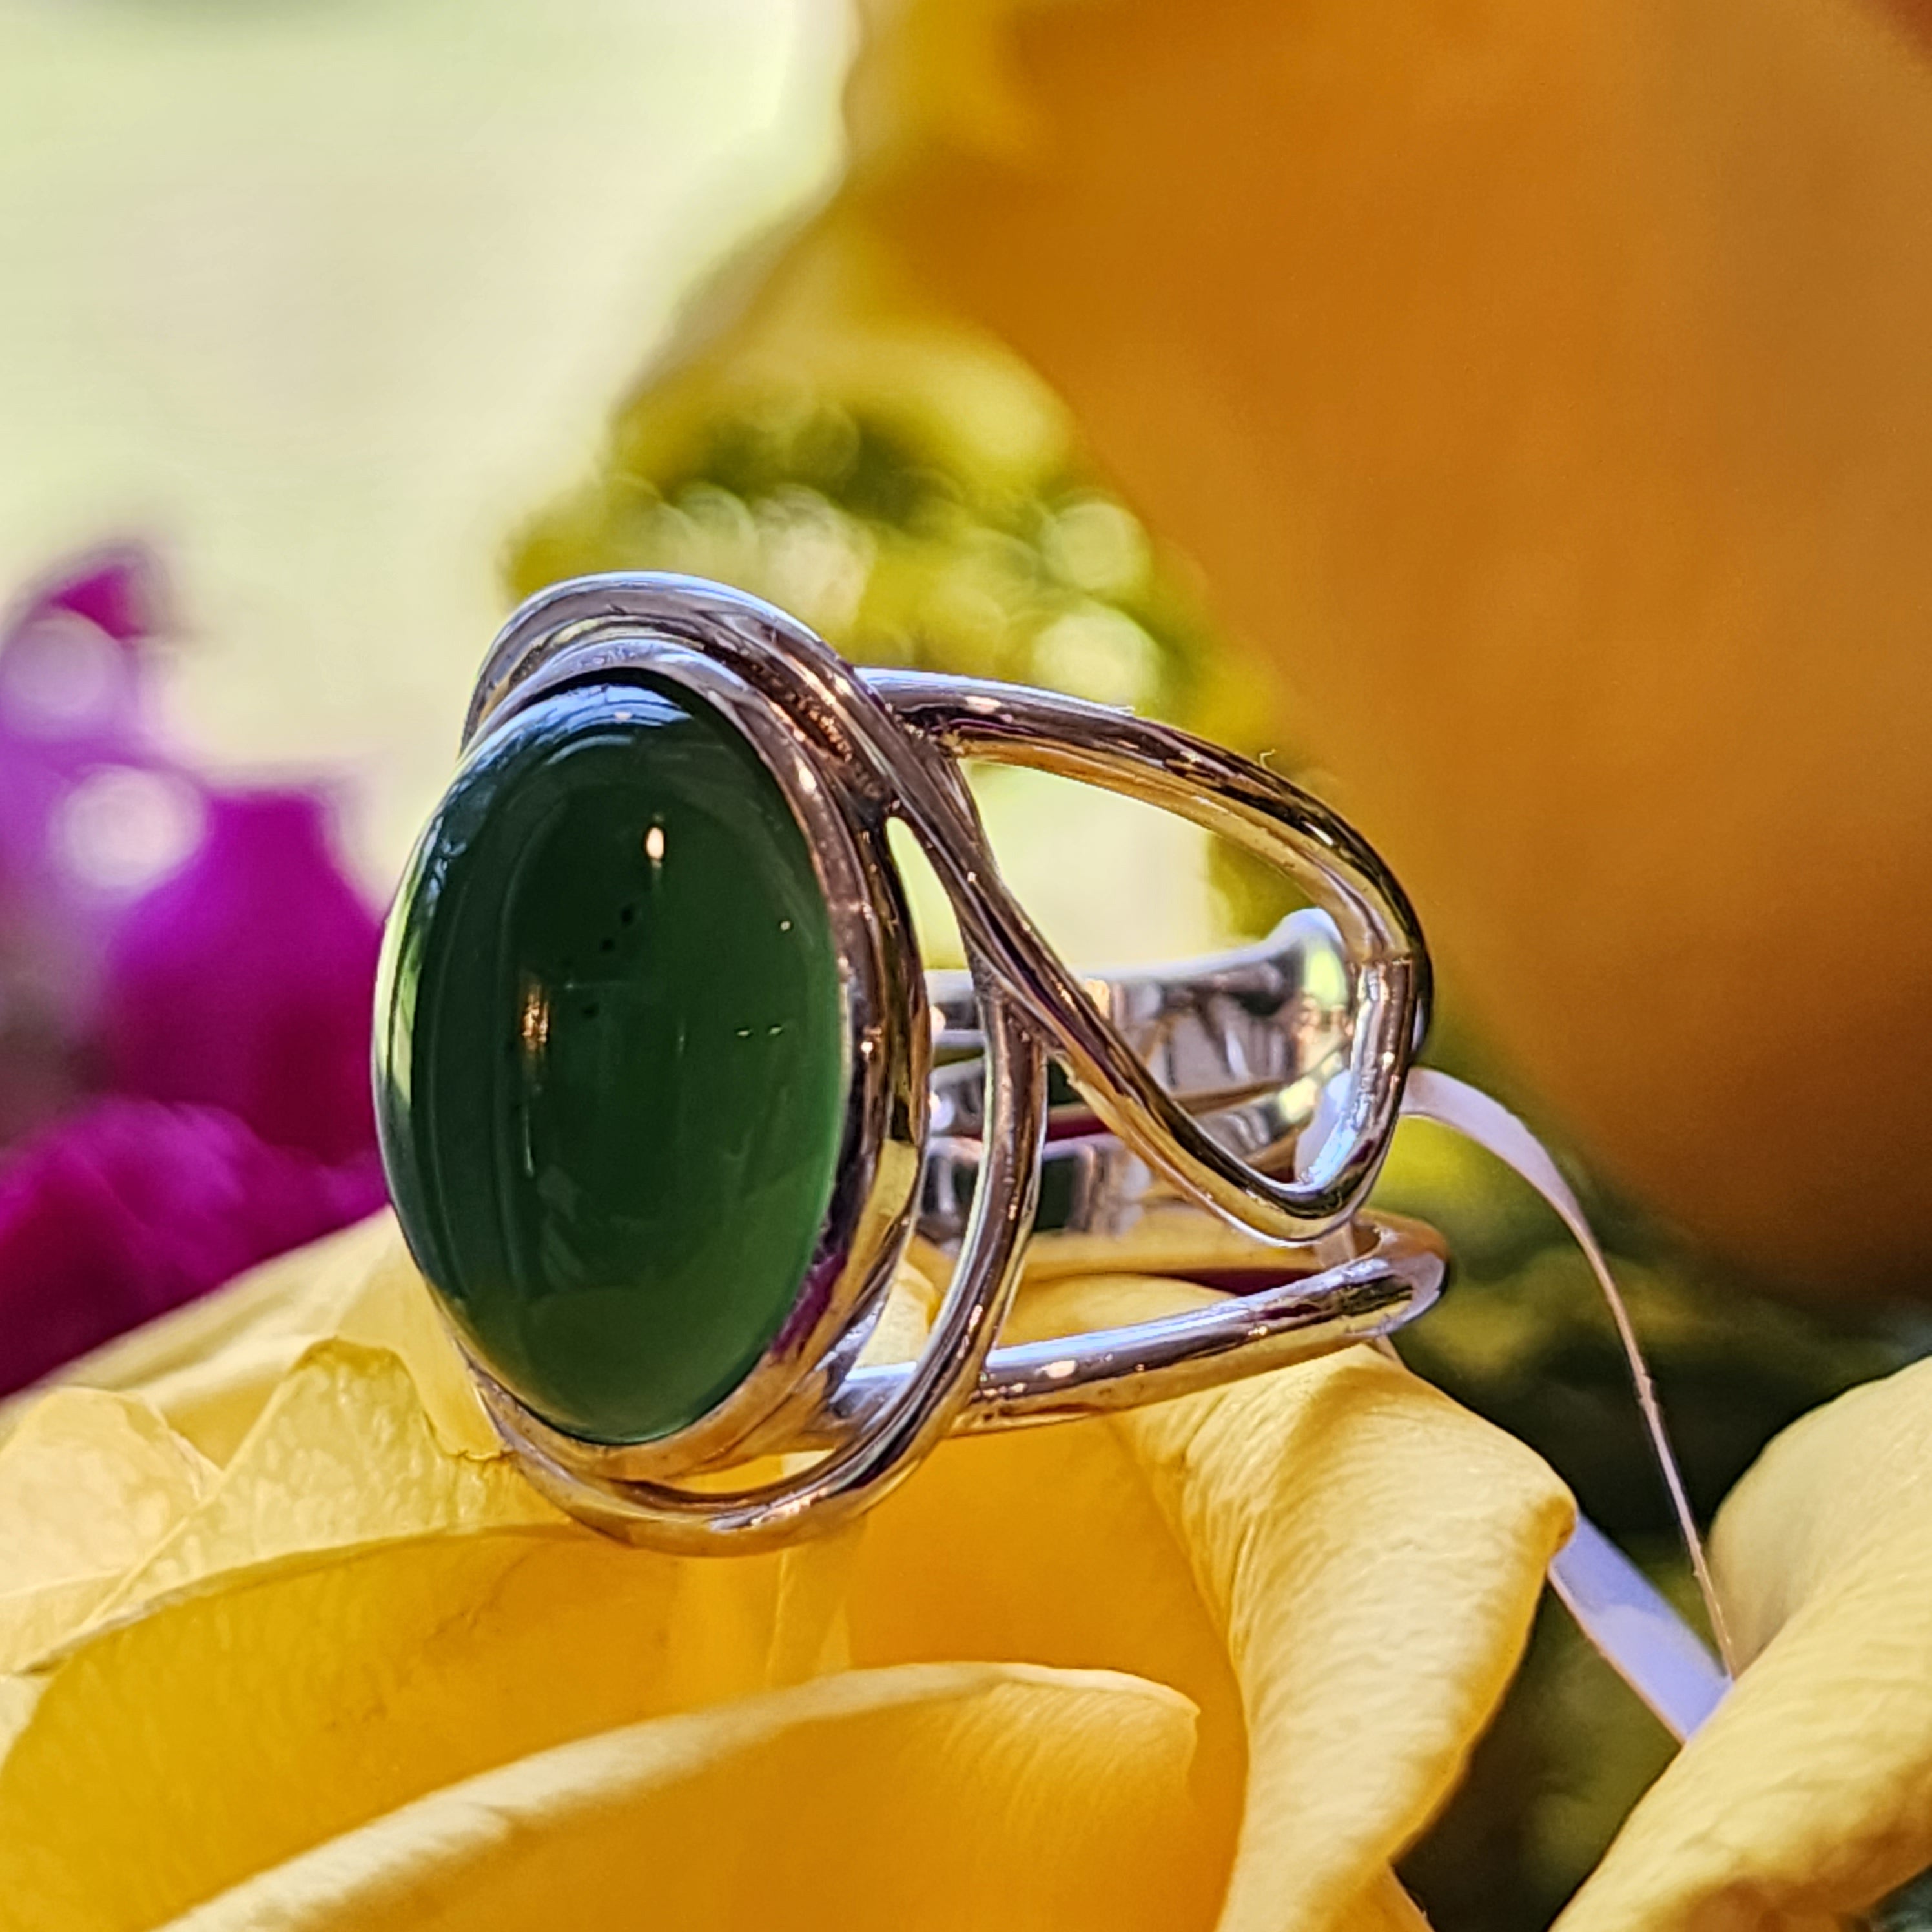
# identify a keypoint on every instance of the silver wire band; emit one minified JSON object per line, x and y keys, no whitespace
{"x":1250,"y":1041}
{"x":1213,"y":1031}
{"x":1271,"y":1324}
{"x":852,"y":751}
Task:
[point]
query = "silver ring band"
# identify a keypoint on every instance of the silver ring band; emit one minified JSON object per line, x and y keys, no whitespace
{"x":1256,"y":1093}
{"x":1251,"y":1042}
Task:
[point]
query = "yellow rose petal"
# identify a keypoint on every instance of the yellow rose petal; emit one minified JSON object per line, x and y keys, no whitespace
{"x":343,"y":1456}
{"x":1373,"y":1555}
{"x":1058,"y":1559}
{"x":349,"y":1618}
{"x":220,"y":1731}
{"x":1844,"y":1480}
{"x":1046,"y":1546}
{"x":20,"y":1698}
{"x":960,"y":1796}
{"x":210,"y":1366}
{"x":1365,"y":1555}
{"x":360,"y":1287}
{"x":89,"y":1484}
{"x":1808,"y":1796}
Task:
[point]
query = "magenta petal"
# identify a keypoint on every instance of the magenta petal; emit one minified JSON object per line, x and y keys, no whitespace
{"x":246,"y":980}
{"x":74,"y":662}
{"x":121,"y":590}
{"x":73,"y":670}
{"x":133,"y":1207}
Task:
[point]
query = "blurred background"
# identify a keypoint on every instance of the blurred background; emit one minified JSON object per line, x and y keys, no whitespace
{"x":1514,"y":428}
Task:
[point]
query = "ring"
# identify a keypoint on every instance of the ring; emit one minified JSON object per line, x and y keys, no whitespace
{"x":656,"y":1088}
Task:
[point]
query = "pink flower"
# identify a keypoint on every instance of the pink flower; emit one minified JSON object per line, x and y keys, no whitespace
{"x":73,"y":665}
{"x":196,"y":950}
{"x":132,"y":1207}
{"x":245,"y":980}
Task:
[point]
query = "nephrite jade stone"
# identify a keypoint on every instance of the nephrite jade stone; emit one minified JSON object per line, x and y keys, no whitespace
{"x":611,"y":1058}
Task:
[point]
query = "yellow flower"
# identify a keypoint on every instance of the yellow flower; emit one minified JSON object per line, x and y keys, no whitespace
{"x":1808,"y":1796}
{"x":286,"y":1642}
{"x":1544,"y":387}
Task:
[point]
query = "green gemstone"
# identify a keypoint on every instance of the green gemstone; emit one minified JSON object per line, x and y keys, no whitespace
{"x":611,"y":1058}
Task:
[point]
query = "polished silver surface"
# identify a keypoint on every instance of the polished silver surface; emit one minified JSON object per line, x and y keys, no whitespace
{"x":1213,"y":1031}
{"x":1240,"y":801}
{"x":1259,"y":1089}
{"x":1251,"y":1042}
{"x":1398,"y":1276}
